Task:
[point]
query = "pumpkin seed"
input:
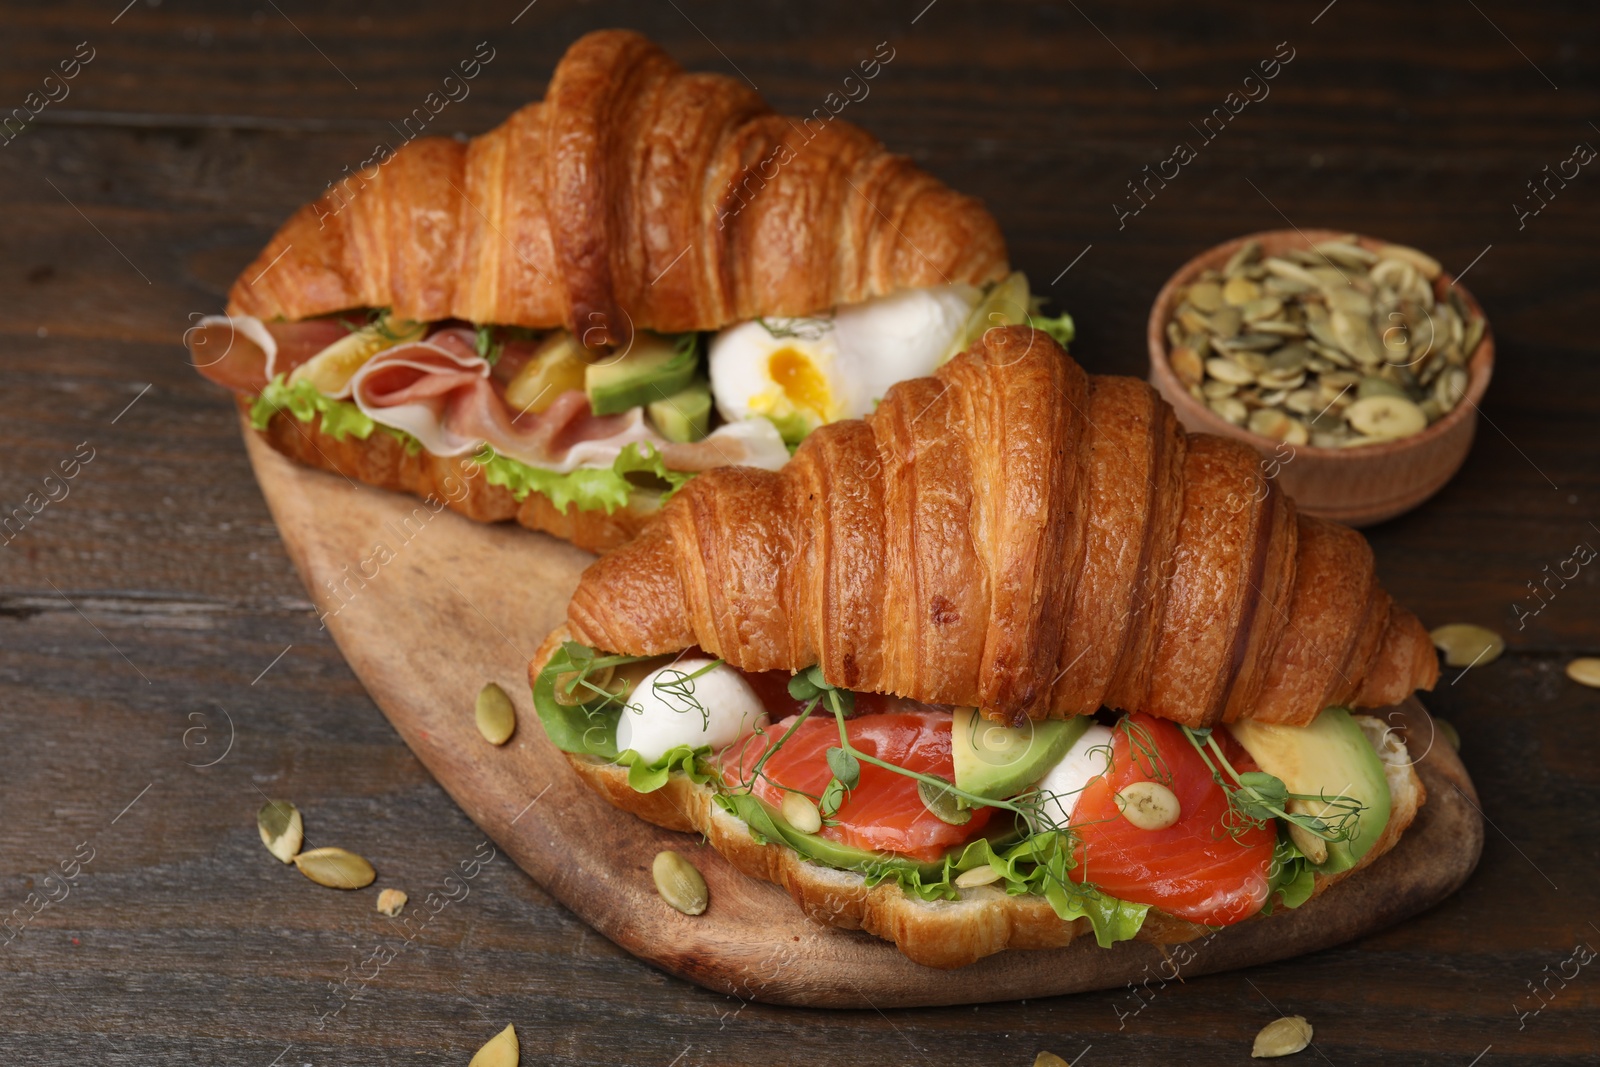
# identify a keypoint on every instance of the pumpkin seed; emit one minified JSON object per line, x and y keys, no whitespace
{"x":1347,"y":254}
{"x":501,"y":1050}
{"x":1049,"y":1059}
{"x":282,"y":830}
{"x":1148,"y":805}
{"x":984,"y":875}
{"x":1301,"y":401}
{"x":1226,"y":322}
{"x":680,"y":883}
{"x":1230,"y":409}
{"x":1246,"y":253}
{"x":335,"y":868}
{"x":496,"y":715}
{"x":1425,"y":264}
{"x":1282,"y":1037}
{"x":1215,"y":390}
{"x":1207,"y":296}
{"x":1226,"y":370}
{"x":945,"y":805}
{"x":1585,"y":670}
{"x":799,"y":811}
{"x":1466,"y":645}
{"x":1375,"y":386}
{"x":1240,"y":290}
{"x":391,"y":901}
{"x":1385,"y":417}
{"x":1450,"y":387}
{"x":1292,"y":272}
{"x":1186,"y":364}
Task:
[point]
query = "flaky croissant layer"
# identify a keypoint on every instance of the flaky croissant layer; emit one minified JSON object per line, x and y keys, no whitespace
{"x":635,"y":195}
{"x":1017,"y":535}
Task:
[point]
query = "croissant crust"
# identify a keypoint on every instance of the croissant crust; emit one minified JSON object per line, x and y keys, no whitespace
{"x":1017,"y":535}
{"x":633,"y":195}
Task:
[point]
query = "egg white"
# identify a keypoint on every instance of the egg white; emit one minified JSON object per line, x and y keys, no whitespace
{"x":840,"y":364}
{"x":667,"y":709}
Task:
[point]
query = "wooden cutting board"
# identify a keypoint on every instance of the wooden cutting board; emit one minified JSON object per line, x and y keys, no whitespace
{"x":428,"y":606}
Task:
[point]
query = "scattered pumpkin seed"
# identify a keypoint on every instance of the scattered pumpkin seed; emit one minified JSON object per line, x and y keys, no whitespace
{"x":1466,"y":645}
{"x":497,"y":716}
{"x":1149,"y":805}
{"x":391,"y":901}
{"x":1585,"y":671}
{"x":335,"y":868}
{"x":1282,"y":1037}
{"x":501,"y":1050}
{"x":680,"y":883}
{"x":1272,"y":327}
{"x":1049,"y":1059}
{"x":984,"y":875}
{"x":800,"y":813}
{"x":282,"y":829}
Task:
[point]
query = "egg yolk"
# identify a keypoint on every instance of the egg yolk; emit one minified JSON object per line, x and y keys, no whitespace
{"x":801,"y":382}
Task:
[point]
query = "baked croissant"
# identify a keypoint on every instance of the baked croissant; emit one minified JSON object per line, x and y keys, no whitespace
{"x":633,"y":195}
{"x":1017,"y":535}
{"x":635,"y":202}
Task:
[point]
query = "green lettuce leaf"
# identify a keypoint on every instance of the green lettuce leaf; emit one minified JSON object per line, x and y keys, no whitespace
{"x":1291,"y":878}
{"x":1060,"y":327}
{"x":305,"y":402}
{"x":588,"y":488}
{"x":648,"y":777}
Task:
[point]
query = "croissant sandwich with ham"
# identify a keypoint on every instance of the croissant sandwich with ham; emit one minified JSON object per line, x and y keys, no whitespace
{"x":1010,"y":661}
{"x":646,"y":275}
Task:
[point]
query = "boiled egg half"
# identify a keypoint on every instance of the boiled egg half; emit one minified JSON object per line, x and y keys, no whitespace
{"x":801,"y":373}
{"x":694,"y":702}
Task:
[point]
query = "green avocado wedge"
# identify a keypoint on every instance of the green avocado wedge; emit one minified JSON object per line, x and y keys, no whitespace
{"x":1330,"y":757}
{"x":654,"y":368}
{"x":998,"y":761}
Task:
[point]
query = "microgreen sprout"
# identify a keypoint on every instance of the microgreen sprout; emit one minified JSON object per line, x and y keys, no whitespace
{"x":1254,"y":797}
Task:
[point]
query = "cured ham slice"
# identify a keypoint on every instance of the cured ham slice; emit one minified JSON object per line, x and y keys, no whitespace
{"x":243,"y":353}
{"x":440,"y":391}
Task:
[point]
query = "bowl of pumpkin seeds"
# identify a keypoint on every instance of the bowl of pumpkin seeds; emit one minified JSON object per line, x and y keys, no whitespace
{"x":1353,"y":365}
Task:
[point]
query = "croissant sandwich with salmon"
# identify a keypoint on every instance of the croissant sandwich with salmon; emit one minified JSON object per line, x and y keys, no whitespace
{"x":1010,"y":661}
{"x":645,"y":275}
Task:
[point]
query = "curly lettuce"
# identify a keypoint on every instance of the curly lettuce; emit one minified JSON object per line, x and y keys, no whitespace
{"x":590,"y":488}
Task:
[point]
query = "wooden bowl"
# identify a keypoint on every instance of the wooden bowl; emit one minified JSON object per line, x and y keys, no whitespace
{"x":1357,"y":486}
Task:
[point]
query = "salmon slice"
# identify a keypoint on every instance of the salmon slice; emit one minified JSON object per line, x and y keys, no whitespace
{"x":884,"y":812}
{"x":1195,"y":869}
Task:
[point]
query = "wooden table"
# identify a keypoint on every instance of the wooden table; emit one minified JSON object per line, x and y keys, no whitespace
{"x":163,"y":670}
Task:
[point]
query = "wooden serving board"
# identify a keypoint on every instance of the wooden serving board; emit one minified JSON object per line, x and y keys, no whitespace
{"x":428,"y":606}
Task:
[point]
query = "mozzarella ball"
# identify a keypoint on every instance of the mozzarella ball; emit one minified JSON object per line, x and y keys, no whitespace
{"x":1087,"y":759}
{"x":668,"y":708}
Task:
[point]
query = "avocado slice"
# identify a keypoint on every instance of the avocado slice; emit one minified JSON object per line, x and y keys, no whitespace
{"x":654,"y":368}
{"x":997,"y":761}
{"x":685,"y":416}
{"x":1005,"y":304}
{"x":1330,"y":757}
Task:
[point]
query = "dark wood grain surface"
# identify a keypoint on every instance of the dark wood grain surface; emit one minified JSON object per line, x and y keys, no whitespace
{"x":150,"y":622}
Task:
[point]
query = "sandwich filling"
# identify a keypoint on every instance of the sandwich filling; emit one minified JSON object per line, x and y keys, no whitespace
{"x":1104,"y":816}
{"x":541,"y":414}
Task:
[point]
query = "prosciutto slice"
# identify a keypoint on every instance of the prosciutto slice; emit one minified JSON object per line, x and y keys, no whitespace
{"x":440,"y":391}
{"x":243,"y":353}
